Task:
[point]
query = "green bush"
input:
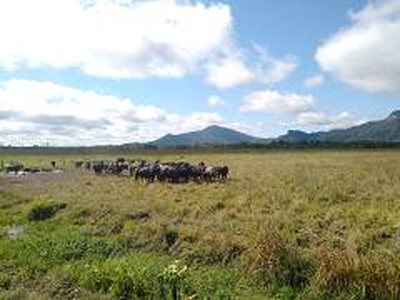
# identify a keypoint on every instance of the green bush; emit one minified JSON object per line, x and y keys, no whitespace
{"x":42,"y":209}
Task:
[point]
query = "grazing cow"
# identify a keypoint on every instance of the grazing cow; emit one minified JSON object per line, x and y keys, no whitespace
{"x":117,"y":168}
{"x":132,"y":169}
{"x":161,"y":171}
{"x":13,"y":167}
{"x":173,"y":172}
{"x":222,"y":172}
{"x":146,"y":172}
{"x":210,"y":173}
{"x":196,"y":172}
{"x":88,"y":165}
{"x":120,"y":160}
{"x":99,"y":166}
{"x":78,"y":164}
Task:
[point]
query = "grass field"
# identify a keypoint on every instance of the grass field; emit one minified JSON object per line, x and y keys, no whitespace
{"x":286,"y":224}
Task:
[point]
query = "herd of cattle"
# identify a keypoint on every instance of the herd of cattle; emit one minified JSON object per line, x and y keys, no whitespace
{"x":174,"y":172}
{"x":17,"y":168}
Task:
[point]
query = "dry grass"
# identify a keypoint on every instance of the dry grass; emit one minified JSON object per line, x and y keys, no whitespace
{"x":320,"y":222}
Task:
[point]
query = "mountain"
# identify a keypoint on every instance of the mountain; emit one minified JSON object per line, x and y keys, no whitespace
{"x":212,"y":135}
{"x":381,"y":131}
{"x":295,"y":136}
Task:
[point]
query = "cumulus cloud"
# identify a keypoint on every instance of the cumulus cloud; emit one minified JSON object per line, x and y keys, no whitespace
{"x":212,"y":101}
{"x":113,"y":39}
{"x":272,"y":70}
{"x":232,"y":68}
{"x":200,"y":120}
{"x":302,"y":109}
{"x":314,"y":81}
{"x":35,"y":112}
{"x":272,"y":101}
{"x":366,"y":54}
{"x":229,"y":71}
{"x":123,"y":39}
{"x":326,"y":120}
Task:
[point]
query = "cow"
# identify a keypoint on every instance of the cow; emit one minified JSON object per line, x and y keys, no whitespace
{"x":99,"y":166}
{"x":146,"y":172}
{"x":78,"y":164}
{"x":212,"y":173}
{"x":221,"y":172}
{"x":13,"y":167}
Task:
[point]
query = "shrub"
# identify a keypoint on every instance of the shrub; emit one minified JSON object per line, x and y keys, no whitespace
{"x":170,"y":237}
{"x":42,"y":209}
{"x":280,"y":263}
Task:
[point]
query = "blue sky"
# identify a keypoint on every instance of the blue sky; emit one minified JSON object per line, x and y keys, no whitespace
{"x":85,"y":72}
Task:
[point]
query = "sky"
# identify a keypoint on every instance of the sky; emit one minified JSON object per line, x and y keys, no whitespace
{"x":95,"y":72}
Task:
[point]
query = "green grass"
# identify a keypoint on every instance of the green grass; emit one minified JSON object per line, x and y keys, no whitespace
{"x":286,"y":224}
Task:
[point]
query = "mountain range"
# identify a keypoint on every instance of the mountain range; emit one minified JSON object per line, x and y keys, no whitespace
{"x":380,"y":131}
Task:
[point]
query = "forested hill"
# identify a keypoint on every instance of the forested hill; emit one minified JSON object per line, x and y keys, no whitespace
{"x":381,"y":131}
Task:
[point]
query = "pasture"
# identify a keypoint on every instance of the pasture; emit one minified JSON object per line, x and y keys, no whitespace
{"x":285,"y":224}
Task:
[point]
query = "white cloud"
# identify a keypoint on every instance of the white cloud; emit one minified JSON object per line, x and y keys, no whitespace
{"x":257,"y":129}
{"x":36,"y":112}
{"x":229,"y":71}
{"x":214,"y":101}
{"x":314,"y":81}
{"x":366,"y":54}
{"x":271,"y":70}
{"x":327,"y":121}
{"x":278,"y":70}
{"x":271,"y":101}
{"x":232,"y":68}
{"x":200,"y":120}
{"x":113,"y":39}
{"x":132,"y":39}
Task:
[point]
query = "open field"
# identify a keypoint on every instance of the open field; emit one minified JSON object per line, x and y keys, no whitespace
{"x":285,"y":225}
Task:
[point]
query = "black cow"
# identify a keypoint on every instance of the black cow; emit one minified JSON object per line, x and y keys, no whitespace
{"x":222,"y":172}
{"x":146,"y":172}
{"x":13,"y":167}
{"x":99,"y":166}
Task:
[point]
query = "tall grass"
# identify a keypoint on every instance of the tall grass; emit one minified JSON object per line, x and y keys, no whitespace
{"x":307,"y":224}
